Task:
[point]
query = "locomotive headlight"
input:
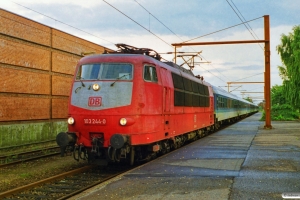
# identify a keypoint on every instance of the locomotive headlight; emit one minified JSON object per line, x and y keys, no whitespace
{"x":123,"y":121}
{"x":96,"y":87}
{"x":71,"y":120}
{"x":127,"y":121}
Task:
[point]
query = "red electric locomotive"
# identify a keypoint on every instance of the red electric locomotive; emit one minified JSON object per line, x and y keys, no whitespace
{"x":131,"y":106}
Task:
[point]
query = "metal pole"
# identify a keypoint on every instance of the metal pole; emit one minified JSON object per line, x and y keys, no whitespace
{"x":267,"y":73}
{"x":228,"y":87}
{"x":175,"y":55}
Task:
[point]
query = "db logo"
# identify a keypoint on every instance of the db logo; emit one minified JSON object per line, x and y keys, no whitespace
{"x":95,"y":101}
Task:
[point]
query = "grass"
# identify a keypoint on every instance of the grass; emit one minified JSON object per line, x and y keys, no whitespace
{"x":25,"y":175}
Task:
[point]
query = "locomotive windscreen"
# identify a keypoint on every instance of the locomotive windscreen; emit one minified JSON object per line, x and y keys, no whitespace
{"x":95,"y":88}
{"x":105,"y":71}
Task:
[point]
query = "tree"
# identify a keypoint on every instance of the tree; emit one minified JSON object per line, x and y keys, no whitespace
{"x":278,"y":96}
{"x":248,"y":99}
{"x":289,"y":51}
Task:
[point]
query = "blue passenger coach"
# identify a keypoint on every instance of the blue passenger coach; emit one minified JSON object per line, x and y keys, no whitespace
{"x":229,"y":107}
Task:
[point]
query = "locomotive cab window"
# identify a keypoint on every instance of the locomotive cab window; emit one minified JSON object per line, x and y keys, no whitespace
{"x":150,"y":73}
{"x":105,"y":71}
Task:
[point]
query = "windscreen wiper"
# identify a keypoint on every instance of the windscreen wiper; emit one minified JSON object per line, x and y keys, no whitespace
{"x":82,"y":84}
{"x":81,"y":81}
{"x":119,"y":79}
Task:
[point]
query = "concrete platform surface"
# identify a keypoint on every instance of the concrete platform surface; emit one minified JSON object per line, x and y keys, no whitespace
{"x":243,"y":161}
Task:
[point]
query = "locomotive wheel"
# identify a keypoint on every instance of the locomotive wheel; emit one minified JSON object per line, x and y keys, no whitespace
{"x":117,"y":155}
{"x":111,"y":154}
{"x":131,"y":156}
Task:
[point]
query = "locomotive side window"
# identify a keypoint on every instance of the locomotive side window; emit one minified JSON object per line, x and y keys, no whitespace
{"x":201,"y":89}
{"x":195,"y":87}
{"x":189,"y":93}
{"x":105,"y":71}
{"x":150,"y":73}
{"x":205,"y":90}
{"x":179,"y":98}
{"x":187,"y":85}
{"x":188,"y":99}
{"x":177,"y":81}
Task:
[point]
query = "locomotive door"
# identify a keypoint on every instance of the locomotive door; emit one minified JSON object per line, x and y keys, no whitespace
{"x":166,"y":81}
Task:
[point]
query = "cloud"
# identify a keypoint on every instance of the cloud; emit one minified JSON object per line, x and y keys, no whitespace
{"x":104,"y":25}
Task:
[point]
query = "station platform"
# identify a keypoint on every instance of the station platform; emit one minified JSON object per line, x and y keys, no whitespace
{"x":243,"y":161}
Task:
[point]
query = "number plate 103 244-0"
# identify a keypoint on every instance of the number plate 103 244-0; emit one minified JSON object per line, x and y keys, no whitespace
{"x":95,"y":121}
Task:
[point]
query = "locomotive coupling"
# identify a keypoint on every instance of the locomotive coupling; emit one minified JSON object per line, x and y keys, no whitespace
{"x":117,"y":141}
{"x":64,"y":139}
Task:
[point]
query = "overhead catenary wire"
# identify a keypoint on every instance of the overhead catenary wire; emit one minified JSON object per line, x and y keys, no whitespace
{"x":63,"y":23}
{"x":248,"y":77}
{"x":181,"y":40}
{"x":35,"y":28}
{"x":221,"y":30}
{"x":113,"y":42}
{"x":245,"y":24}
{"x":137,"y":23}
{"x":256,"y":88}
{"x":243,"y":21}
{"x":211,"y":72}
{"x":157,"y":19}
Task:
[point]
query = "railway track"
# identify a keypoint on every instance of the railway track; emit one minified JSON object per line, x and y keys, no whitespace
{"x":65,"y":185}
{"x":17,"y":158}
{"x":68,"y":184}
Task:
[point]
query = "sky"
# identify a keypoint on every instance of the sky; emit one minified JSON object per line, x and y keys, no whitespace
{"x":157,"y":24}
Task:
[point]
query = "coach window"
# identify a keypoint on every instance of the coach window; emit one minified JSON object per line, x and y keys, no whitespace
{"x":150,"y":73}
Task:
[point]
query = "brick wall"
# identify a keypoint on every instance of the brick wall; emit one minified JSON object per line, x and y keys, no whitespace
{"x":37,"y":63}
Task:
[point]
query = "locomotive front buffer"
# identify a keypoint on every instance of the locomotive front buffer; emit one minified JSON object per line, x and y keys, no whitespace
{"x":65,"y":140}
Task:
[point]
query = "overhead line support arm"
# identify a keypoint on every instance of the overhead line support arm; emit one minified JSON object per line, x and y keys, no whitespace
{"x":267,"y":52}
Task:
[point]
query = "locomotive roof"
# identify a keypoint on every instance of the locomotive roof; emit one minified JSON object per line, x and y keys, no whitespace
{"x":128,"y":49}
{"x":140,"y":55}
{"x":180,"y":68}
{"x":188,"y":73}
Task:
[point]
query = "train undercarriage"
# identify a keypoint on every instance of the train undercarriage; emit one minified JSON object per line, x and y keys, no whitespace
{"x":121,"y":151}
{"x":97,"y":154}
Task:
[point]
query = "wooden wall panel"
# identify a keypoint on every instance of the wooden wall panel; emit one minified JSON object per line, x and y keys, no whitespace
{"x":14,"y":53}
{"x":64,"y":63}
{"x":61,"y":85}
{"x":19,"y":81}
{"x":21,"y":108}
{"x":69,"y":43}
{"x":59,"y":108}
{"x":20,"y":27}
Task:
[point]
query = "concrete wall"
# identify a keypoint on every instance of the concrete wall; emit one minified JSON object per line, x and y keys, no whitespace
{"x":37,"y":63}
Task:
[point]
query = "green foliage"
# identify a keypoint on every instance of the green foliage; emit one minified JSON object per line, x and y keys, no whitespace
{"x":248,"y":99}
{"x":25,"y":175}
{"x":278,"y":95}
{"x":289,"y":51}
{"x":283,"y":112}
{"x":281,"y":109}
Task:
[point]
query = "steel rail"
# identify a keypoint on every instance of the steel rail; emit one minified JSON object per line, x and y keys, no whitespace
{"x":29,"y":152}
{"x":28,"y":159}
{"x":47,"y":180}
{"x":91,"y":185}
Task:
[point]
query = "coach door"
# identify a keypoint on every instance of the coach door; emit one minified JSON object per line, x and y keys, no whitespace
{"x":166,"y":81}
